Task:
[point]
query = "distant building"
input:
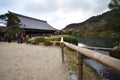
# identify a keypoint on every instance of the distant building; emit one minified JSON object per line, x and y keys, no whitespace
{"x":34,"y":26}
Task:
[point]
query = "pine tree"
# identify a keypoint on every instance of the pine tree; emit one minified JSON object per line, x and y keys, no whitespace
{"x":114,"y":4}
{"x":10,"y":20}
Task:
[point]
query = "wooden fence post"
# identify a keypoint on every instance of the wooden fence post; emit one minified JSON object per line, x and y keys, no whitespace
{"x":80,"y":66}
{"x":62,"y":48}
{"x":62,"y":54}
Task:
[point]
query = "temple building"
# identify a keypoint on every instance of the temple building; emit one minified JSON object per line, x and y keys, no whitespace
{"x":34,"y":26}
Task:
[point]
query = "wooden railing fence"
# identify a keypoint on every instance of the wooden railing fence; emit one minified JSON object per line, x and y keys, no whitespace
{"x":108,"y":61}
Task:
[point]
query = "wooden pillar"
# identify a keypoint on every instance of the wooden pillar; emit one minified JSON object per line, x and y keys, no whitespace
{"x":80,"y":66}
{"x":62,"y":47}
{"x":62,"y":54}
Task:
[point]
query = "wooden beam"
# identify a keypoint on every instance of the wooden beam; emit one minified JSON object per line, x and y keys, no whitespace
{"x":94,"y":48}
{"x":108,"y":61}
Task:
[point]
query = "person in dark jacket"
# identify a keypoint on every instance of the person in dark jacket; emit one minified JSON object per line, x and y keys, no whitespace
{"x":9,"y":38}
{"x":5,"y":37}
{"x":18,"y":38}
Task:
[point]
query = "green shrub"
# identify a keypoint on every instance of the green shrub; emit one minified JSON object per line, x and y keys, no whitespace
{"x":66,"y":38}
{"x":54,"y":38}
{"x":28,"y":41}
{"x":57,"y":38}
{"x":39,"y":40}
{"x":15,"y":30}
{"x":70,"y":39}
{"x":33,"y":42}
{"x":57,"y":44}
{"x":47,"y":43}
{"x":25,"y":40}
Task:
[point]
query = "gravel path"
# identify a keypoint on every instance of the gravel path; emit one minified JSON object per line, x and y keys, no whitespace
{"x":31,"y":62}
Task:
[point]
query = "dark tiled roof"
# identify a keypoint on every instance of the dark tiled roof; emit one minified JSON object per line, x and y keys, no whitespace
{"x":32,"y":23}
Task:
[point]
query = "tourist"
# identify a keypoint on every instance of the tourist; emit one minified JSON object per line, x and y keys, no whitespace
{"x":5,"y":37}
{"x":21,"y":38}
{"x":9,"y":38}
{"x":18,"y":37}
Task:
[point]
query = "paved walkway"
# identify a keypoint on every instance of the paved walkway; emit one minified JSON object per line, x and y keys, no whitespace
{"x":31,"y":62}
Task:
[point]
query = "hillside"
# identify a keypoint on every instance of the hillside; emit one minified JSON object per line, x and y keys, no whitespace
{"x":107,"y":24}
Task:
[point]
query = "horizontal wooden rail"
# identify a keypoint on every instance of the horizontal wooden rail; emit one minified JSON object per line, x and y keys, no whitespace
{"x":94,"y":48}
{"x":108,"y":61}
{"x":99,"y":48}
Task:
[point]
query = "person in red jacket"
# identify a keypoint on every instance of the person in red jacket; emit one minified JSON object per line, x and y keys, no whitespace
{"x":21,"y":37}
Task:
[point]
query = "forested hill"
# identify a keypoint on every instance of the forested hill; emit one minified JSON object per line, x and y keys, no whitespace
{"x":107,"y":24}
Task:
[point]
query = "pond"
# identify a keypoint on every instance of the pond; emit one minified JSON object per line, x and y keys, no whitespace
{"x":103,"y":71}
{"x":99,"y":42}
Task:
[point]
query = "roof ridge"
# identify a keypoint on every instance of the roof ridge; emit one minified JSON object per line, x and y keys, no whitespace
{"x":26,"y":16}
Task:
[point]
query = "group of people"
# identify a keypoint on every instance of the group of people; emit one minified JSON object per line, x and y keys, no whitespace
{"x":19,"y":37}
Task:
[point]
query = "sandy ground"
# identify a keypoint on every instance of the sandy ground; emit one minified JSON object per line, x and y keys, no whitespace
{"x":31,"y":62}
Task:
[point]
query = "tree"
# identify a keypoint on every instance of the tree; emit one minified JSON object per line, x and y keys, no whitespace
{"x":12,"y":23}
{"x":10,"y":20}
{"x":114,"y":4}
{"x":113,"y":21}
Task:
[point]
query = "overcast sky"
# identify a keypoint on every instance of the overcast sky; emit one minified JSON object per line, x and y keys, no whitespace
{"x":58,"y":13}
